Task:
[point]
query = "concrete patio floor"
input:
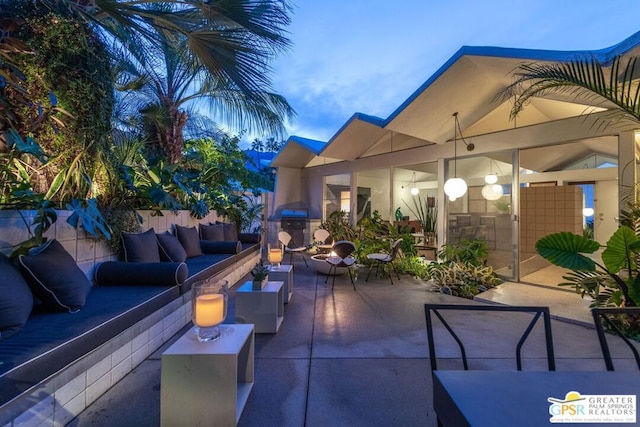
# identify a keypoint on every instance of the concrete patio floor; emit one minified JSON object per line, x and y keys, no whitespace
{"x":356,"y":358}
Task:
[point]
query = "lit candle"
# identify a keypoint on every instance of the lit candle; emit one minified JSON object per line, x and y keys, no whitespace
{"x":275,"y":256}
{"x":209,"y":310}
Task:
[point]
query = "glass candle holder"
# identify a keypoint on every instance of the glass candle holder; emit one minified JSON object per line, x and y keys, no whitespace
{"x":274,"y":255}
{"x":210,"y":300}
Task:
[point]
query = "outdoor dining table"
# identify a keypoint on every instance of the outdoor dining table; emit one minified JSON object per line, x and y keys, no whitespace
{"x":529,"y":398}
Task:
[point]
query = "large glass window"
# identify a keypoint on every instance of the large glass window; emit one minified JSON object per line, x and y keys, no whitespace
{"x":337,"y":194}
{"x":373,"y":193}
{"x":570,"y":187}
{"x":484,"y":211}
{"x":415,"y":191}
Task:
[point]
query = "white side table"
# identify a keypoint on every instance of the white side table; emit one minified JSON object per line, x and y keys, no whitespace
{"x":283,"y":273}
{"x":265,"y":308}
{"x":207,"y":383}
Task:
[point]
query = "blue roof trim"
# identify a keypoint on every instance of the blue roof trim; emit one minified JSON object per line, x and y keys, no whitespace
{"x":605,"y":56}
{"x":312,"y":145}
{"x":376,"y":121}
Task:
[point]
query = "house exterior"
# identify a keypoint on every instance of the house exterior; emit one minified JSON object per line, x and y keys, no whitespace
{"x":562,"y":164}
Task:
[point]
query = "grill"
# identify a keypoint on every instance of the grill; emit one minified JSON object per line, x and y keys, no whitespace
{"x":294,"y":222}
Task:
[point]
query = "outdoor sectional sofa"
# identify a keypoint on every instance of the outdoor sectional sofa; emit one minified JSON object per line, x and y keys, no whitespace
{"x":59,"y":357}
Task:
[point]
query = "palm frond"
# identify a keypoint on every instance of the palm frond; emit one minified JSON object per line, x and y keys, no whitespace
{"x":613,"y":86}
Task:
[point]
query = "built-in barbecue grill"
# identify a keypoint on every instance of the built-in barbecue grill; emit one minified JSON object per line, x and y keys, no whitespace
{"x":294,"y":222}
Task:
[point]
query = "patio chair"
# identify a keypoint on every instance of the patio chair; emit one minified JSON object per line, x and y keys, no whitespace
{"x":342,"y":258}
{"x":320,"y":237}
{"x":605,"y":317}
{"x":286,"y":239}
{"x":382,"y":259}
{"x":537,"y":312}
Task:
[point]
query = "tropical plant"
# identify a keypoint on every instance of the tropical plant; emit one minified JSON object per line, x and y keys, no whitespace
{"x":426,"y":211}
{"x":339,"y":226}
{"x":166,"y":97}
{"x":613,"y":88}
{"x":461,"y":279}
{"x":472,"y":252}
{"x":615,"y":281}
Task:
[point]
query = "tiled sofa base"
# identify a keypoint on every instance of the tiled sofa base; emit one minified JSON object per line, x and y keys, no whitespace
{"x":60,"y":398}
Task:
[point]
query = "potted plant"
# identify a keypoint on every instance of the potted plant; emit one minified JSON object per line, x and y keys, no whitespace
{"x":426,"y":211}
{"x":260,"y":274}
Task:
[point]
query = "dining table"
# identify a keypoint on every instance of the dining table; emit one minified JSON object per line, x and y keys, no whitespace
{"x":535,"y":398}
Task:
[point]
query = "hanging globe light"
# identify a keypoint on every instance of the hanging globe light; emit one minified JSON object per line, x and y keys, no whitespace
{"x":455,"y":187}
{"x":415,"y":191}
{"x":491,"y":178}
{"x":492,"y":191}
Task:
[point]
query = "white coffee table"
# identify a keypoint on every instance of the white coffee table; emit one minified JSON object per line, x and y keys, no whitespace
{"x":283,"y":273}
{"x":207,"y":383}
{"x":265,"y":308}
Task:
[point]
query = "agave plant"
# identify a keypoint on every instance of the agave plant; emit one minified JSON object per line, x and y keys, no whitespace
{"x":615,"y":281}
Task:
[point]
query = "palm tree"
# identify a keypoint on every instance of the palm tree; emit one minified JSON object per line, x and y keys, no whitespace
{"x":167,"y":94}
{"x":613,"y":86}
{"x":218,"y":50}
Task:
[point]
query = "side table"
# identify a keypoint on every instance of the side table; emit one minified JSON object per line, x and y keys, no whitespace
{"x":207,"y":383}
{"x":283,"y":273}
{"x":265,"y":308}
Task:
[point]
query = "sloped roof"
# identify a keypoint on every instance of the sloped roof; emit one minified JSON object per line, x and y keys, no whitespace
{"x":469,"y":83}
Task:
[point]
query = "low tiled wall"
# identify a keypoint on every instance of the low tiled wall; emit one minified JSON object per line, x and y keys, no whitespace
{"x":59,"y":399}
{"x":83,"y":247}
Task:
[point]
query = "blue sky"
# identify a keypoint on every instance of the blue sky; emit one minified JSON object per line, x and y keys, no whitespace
{"x":368,"y":56}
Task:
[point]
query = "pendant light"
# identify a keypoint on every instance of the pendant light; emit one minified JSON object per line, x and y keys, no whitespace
{"x":414,"y":189}
{"x":456,"y":187}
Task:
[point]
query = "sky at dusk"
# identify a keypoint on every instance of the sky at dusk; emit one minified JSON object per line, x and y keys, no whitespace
{"x":369,"y":56}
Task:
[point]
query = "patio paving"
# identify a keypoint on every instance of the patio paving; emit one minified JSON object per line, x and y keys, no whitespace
{"x":346,"y":358}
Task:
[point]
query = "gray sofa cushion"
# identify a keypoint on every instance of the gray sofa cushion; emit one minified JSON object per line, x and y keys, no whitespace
{"x":190,"y":240}
{"x":213,"y":232}
{"x":170,"y":248}
{"x":141,"y":247}
{"x":55,"y":278}
{"x":141,"y":274}
{"x":16,"y":300}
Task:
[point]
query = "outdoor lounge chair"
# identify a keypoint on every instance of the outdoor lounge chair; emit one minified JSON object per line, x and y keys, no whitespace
{"x":341,"y":257}
{"x":285,"y":239}
{"x":379,"y":259}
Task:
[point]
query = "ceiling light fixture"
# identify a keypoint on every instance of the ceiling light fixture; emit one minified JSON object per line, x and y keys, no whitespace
{"x":456,"y":187}
{"x":414,"y":189}
{"x":491,"y":177}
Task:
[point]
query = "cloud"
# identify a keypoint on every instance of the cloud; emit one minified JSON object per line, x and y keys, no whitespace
{"x":370,"y":56}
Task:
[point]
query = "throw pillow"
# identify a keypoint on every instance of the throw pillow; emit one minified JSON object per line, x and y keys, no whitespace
{"x":55,"y":278}
{"x":16,"y":300}
{"x":141,"y":247}
{"x":214,"y":232}
{"x":230,"y":232}
{"x":170,"y":248}
{"x":189,"y":239}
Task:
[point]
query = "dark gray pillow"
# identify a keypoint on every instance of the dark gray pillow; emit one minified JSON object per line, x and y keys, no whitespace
{"x":16,"y":300}
{"x":141,"y":247}
{"x":170,"y":248}
{"x":189,"y":239}
{"x":55,"y":278}
{"x":230,"y":232}
{"x":213,"y":232}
